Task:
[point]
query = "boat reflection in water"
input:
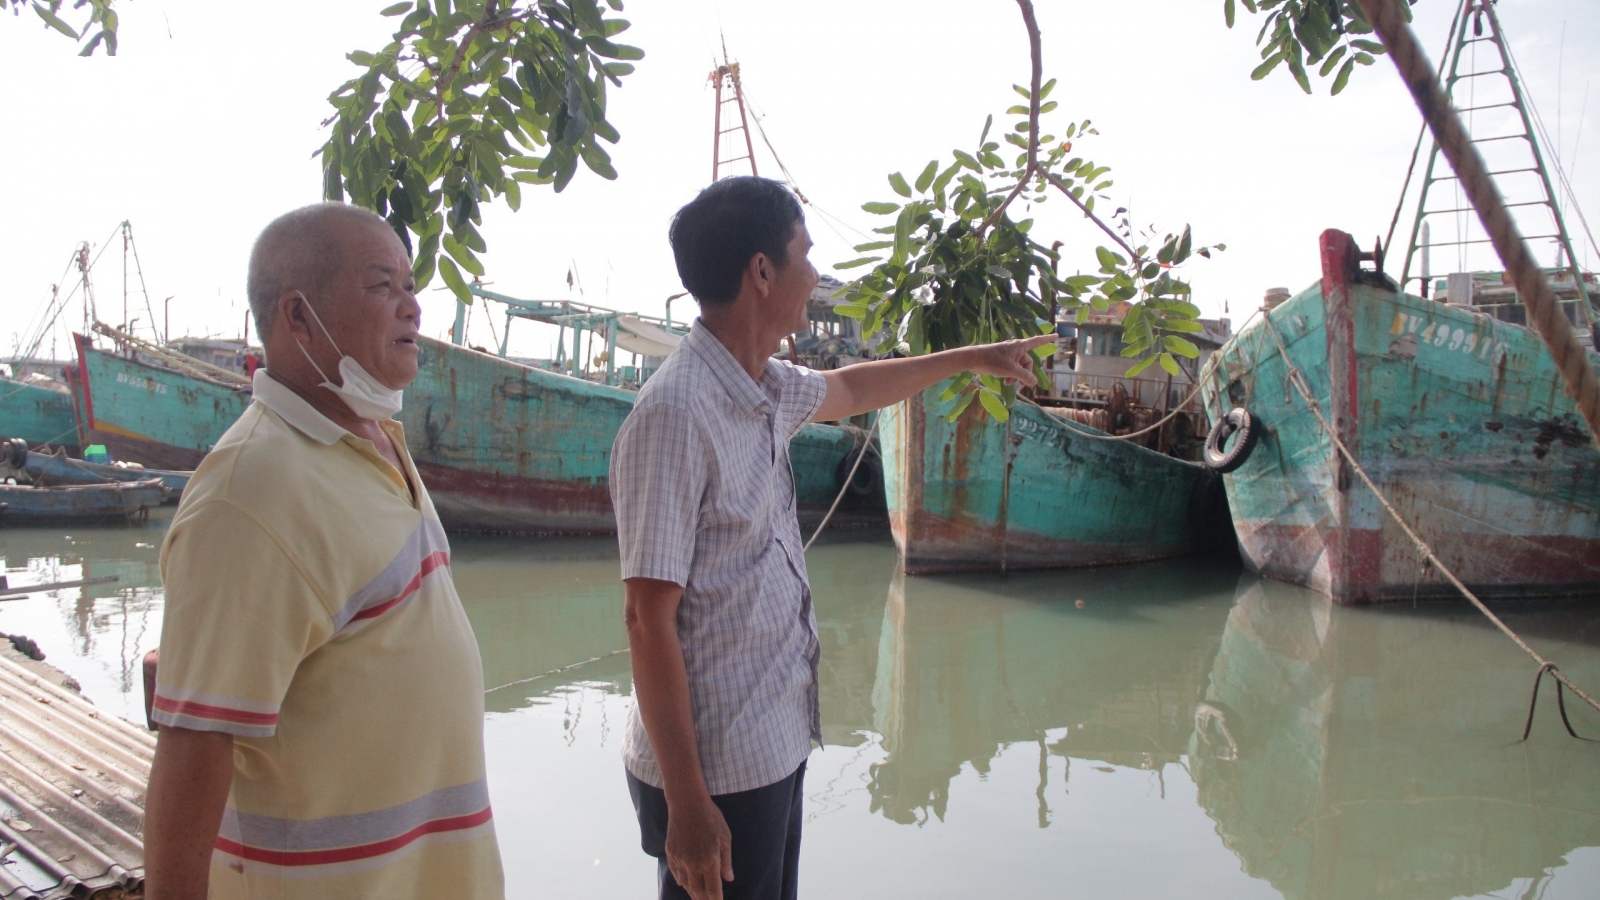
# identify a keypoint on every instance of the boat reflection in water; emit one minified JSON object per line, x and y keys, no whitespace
{"x":961,"y":677}
{"x":990,"y":737}
{"x":98,"y":633}
{"x":1369,"y":753}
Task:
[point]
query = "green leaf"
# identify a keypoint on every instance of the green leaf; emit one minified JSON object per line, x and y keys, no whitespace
{"x":1139,"y":366}
{"x":1370,"y":46}
{"x":1180,"y":346}
{"x":1332,"y":60}
{"x":396,"y":9}
{"x":1170,"y":364}
{"x":898,"y":182}
{"x":994,"y":406}
{"x":54,"y":21}
{"x":966,"y":159}
{"x":878,"y":208}
{"x":1227,"y":12}
{"x":1343,"y":77}
{"x":858,"y":262}
{"x":961,"y":406}
{"x":926,"y":178}
{"x":1266,"y":68}
{"x":1109,"y":261}
{"x":452,"y":278}
{"x":956,"y":386}
{"x":851,"y":310}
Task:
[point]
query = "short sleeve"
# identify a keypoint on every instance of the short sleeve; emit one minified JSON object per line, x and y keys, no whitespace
{"x":239,"y":619}
{"x":658,"y":478}
{"x":801,"y":392}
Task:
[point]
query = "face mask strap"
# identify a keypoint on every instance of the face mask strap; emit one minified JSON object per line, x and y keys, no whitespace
{"x":307,"y":353}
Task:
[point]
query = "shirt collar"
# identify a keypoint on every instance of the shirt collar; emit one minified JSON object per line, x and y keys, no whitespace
{"x":746,"y":393}
{"x":292,"y":408}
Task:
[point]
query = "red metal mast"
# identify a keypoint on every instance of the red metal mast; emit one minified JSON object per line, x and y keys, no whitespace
{"x":728,"y":74}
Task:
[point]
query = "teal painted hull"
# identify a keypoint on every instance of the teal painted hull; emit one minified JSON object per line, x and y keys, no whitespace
{"x":1460,"y":419}
{"x":508,"y":448}
{"x":502,"y":447}
{"x":37,"y":414}
{"x":156,"y":417}
{"x":1034,"y":492}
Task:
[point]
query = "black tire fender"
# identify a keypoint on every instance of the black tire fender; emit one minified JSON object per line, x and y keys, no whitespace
{"x":16,"y":453}
{"x":1248,"y":428}
{"x":868,"y":478}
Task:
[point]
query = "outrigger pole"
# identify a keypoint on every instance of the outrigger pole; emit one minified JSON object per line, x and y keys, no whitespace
{"x":1544,"y":313}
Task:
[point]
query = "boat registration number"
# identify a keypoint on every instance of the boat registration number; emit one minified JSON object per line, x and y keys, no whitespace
{"x":134,"y":381}
{"x":1442,"y":334}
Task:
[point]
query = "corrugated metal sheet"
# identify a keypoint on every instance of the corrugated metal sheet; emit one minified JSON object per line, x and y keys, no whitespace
{"x":72,"y":783}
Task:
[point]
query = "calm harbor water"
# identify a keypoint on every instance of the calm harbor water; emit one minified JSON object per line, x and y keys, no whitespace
{"x":1187,"y":731}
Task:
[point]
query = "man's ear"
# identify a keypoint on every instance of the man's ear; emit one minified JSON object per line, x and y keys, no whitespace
{"x":760,"y":271}
{"x":291,"y":315}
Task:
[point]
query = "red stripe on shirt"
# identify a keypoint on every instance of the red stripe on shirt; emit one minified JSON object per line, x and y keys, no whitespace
{"x":438,"y":559}
{"x":349,"y":854}
{"x":219,"y":713}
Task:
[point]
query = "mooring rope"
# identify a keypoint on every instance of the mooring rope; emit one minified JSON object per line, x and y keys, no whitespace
{"x":866,"y":444}
{"x":1298,"y":380}
{"x":1544,"y":313}
{"x":592,"y":659}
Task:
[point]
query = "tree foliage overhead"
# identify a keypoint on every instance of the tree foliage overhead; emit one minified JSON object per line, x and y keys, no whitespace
{"x":100,"y":28}
{"x":954,"y":268}
{"x":1326,"y":34}
{"x":469,"y":101}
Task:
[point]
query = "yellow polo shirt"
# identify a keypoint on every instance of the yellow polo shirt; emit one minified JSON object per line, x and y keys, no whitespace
{"x":310,"y":613}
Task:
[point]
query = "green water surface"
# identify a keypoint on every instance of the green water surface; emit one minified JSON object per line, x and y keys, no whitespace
{"x":1187,"y":731}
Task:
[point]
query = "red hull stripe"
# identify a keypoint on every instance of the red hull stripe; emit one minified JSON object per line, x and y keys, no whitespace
{"x":438,"y":559}
{"x":219,"y":713}
{"x":359,"y":852}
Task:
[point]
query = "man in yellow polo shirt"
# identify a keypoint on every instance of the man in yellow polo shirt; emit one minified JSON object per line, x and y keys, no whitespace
{"x":319,"y":694}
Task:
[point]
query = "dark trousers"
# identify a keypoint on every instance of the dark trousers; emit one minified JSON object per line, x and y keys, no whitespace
{"x":765,"y":824}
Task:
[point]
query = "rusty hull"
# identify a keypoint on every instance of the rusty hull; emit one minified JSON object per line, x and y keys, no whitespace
{"x":1460,"y":419}
{"x":1031,"y":493}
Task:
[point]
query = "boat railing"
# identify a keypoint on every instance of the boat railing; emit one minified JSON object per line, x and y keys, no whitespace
{"x":1087,"y":389}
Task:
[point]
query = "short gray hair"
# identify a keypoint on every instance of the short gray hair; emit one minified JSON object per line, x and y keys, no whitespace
{"x":298,"y":251}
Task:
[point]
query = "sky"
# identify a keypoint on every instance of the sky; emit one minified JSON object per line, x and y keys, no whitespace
{"x":202,"y":130}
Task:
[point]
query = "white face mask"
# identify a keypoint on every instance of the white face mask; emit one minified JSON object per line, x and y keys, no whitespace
{"x":366,"y":396}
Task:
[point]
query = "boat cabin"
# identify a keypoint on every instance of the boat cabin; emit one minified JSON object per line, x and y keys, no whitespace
{"x":1492,"y":294}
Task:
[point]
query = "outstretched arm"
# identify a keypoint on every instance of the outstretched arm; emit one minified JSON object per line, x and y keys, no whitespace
{"x":873,"y":385}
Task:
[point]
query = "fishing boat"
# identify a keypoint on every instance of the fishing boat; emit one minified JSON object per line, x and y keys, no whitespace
{"x":1040,"y":490}
{"x":1450,"y":404}
{"x":153,"y":406}
{"x":26,"y":504}
{"x":57,"y":469}
{"x":1083,"y":474}
{"x":503,"y":446}
{"x":1459,"y":418}
{"x":37,"y":409}
{"x":508,"y":447}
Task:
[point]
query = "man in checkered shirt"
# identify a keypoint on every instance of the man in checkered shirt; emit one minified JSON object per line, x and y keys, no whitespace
{"x":719,"y":611}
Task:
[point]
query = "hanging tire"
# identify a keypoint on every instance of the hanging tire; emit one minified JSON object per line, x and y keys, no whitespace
{"x":868,"y":479}
{"x":1248,"y":427}
{"x":16,"y":455}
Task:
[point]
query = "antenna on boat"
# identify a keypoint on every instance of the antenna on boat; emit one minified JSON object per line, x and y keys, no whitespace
{"x":1517,"y":152}
{"x":726,"y":78}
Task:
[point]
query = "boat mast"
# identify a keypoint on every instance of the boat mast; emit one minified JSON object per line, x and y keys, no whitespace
{"x":726,"y":76}
{"x":1481,"y":14}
